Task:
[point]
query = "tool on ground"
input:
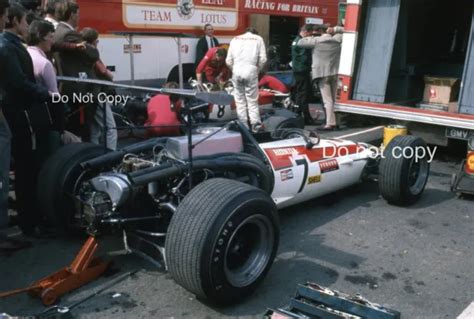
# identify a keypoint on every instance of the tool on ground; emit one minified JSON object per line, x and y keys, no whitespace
{"x":84,"y":268}
{"x":312,"y":300}
{"x":463,"y":181}
{"x":63,"y":310}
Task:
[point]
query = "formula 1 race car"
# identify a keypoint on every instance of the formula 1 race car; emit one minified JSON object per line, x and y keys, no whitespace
{"x":208,"y":209}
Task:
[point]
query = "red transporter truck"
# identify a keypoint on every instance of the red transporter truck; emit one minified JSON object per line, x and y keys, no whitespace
{"x":154,"y":58}
{"x":411,"y":61}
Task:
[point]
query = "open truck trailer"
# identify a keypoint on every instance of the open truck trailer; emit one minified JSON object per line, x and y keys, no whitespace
{"x":400,"y":56}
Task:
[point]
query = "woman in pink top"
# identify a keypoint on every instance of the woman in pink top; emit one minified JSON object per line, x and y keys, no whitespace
{"x":40,"y":40}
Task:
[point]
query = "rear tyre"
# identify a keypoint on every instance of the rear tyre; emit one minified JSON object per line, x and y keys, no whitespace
{"x":188,"y":72}
{"x":402,"y":179}
{"x":57,"y":181}
{"x":282,"y":118}
{"x":222,"y":240}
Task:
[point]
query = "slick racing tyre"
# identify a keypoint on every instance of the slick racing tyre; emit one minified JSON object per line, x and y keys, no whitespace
{"x":281,"y":118}
{"x":222,"y":240}
{"x":57,"y":181}
{"x":403,"y":174}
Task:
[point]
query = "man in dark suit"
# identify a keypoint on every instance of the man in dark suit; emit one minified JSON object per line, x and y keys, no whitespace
{"x":75,"y":58}
{"x":21,"y":92}
{"x":205,"y":43}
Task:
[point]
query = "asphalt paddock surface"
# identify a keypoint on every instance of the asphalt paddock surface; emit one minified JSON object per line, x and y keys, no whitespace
{"x":417,"y":260}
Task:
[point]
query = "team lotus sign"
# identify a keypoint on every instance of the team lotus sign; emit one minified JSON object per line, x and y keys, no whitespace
{"x":223,"y":14}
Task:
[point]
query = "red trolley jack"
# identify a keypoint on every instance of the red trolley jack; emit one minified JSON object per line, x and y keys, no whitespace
{"x":84,"y":268}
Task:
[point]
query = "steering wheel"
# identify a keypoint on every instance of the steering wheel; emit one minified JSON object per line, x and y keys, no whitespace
{"x":310,"y":137}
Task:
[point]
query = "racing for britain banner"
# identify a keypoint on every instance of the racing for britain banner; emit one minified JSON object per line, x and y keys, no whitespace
{"x":326,"y":10}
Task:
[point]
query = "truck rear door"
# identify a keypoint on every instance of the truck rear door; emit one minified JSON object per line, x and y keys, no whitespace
{"x":466,"y":100}
{"x":377,"y":49}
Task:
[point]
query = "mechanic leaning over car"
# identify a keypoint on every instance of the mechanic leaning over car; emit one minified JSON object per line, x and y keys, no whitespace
{"x":246,"y":57}
{"x":214,"y":67}
{"x":326,"y":51}
{"x":160,"y":116}
{"x":21,"y":95}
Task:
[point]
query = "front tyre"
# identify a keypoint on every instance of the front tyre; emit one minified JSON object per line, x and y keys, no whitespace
{"x":222,"y":240}
{"x":402,"y":179}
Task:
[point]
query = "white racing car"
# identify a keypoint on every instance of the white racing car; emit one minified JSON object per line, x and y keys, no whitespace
{"x":213,"y":220}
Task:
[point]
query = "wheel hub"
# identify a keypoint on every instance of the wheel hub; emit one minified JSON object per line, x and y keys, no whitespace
{"x":249,"y":250}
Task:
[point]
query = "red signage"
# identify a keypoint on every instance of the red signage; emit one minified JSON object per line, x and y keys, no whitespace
{"x":328,"y":166}
{"x":327,"y":10}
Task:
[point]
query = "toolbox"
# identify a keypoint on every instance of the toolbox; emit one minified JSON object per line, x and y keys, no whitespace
{"x":314,"y":301}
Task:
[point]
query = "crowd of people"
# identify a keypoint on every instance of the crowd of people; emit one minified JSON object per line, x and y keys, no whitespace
{"x":315,"y":54}
{"x":36,"y":47}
